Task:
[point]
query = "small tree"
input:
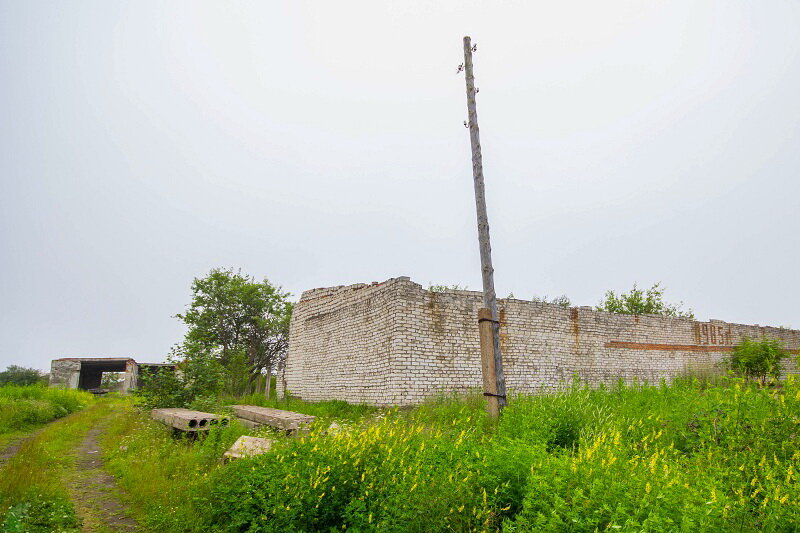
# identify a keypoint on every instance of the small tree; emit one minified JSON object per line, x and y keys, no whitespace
{"x":233,"y":314}
{"x":18,"y":375}
{"x":641,"y":302}
{"x":758,"y":359}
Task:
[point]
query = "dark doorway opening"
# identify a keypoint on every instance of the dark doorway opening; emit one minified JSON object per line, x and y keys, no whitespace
{"x":91,"y":376}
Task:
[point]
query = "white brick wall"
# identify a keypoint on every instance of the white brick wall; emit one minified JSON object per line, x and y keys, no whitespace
{"x":395,"y":343}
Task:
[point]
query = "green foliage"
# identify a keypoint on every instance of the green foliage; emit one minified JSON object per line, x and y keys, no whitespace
{"x":39,"y":514}
{"x":33,"y":483}
{"x":688,"y":456}
{"x":197,"y":381}
{"x":391,"y":476}
{"x":562,"y":300}
{"x":445,"y":288}
{"x":23,"y":407}
{"x":758,"y":359}
{"x":327,"y":410}
{"x":112,"y":380}
{"x":642,"y":302}
{"x":231,"y":313}
{"x":166,"y":477}
{"x":17,"y":375}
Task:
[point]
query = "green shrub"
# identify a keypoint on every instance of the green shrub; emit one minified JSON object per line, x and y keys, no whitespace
{"x":327,"y":410}
{"x":758,"y":359}
{"x":642,"y":302}
{"x":391,"y":476}
{"x":199,"y":379}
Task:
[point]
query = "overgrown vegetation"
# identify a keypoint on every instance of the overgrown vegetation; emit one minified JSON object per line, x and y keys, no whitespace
{"x":444,"y":288}
{"x":716,"y":456}
{"x":33,"y":484}
{"x":562,"y":300}
{"x":642,"y":302}
{"x":759,"y":358}
{"x":233,"y":316}
{"x":238,"y":335}
{"x":24,"y":407}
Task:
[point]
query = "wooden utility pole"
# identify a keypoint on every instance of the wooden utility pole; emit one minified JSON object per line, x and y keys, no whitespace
{"x":489,"y":297}
{"x":485,"y":324}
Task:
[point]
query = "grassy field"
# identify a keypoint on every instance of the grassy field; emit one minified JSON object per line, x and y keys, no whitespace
{"x":681,"y":457}
{"x":23,"y":408}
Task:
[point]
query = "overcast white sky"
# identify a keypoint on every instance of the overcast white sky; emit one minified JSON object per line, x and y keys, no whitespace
{"x":321,"y":143}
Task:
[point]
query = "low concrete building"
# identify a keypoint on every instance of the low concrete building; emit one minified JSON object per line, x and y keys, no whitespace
{"x":87,"y":372}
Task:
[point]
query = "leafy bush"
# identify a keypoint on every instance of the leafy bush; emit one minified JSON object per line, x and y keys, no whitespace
{"x":758,"y":359}
{"x":640,"y":302}
{"x":199,"y":378}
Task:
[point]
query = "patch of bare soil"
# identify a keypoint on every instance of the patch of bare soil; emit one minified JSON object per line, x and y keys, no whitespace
{"x":94,"y":491}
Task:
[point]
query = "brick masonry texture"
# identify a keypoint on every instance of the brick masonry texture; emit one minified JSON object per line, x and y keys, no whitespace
{"x":396,"y":343}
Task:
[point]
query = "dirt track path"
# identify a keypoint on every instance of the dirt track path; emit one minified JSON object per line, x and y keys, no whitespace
{"x":11,"y":449}
{"x":94,"y":491}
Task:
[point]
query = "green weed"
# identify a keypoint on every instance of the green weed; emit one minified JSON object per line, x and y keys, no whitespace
{"x":27,"y":406}
{"x":711,"y":455}
{"x":33,"y":495}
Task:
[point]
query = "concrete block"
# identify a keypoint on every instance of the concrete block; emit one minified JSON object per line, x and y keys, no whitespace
{"x":277,"y":418}
{"x":188,"y":420}
{"x":246,"y":446}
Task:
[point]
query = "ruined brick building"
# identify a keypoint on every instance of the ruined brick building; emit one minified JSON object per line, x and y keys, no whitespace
{"x":396,"y":343}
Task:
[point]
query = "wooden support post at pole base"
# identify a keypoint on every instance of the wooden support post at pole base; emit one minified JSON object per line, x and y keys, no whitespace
{"x":487,"y":270}
{"x":485,"y":324}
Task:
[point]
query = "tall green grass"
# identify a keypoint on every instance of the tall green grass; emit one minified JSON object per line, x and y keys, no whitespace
{"x":641,"y":458}
{"x":165,"y":474}
{"x":26,"y":406}
{"x":34,"y":495}
{"x":331,"y":409}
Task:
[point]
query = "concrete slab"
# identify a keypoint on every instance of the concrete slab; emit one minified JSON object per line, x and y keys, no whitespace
{"x":277,"y":418}
{"x":246,"y":446}
{"x":188,"y":420}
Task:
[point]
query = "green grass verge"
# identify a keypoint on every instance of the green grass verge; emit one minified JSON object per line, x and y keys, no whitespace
{"x":33,"y":495}
{"x":23,"y":407}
